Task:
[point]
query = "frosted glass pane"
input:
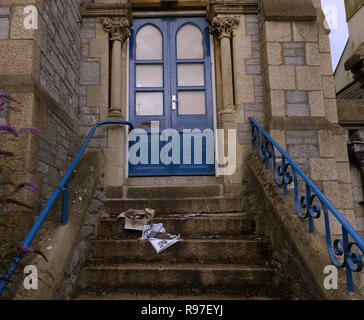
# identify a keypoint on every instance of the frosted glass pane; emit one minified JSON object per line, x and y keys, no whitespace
{"x":189,"y":43}
{"x":149,"y":76}
{"x":191,"y":75}
{"x":149,"y":103}
{"x":191,"y":102}
{"x":149,"y":44}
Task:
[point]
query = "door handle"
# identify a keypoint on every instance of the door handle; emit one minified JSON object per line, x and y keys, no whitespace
{"x":174,"y":102}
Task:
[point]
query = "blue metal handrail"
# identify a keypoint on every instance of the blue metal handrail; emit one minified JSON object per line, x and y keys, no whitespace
{"x":62,"y":187}
{"x":352,"y":261}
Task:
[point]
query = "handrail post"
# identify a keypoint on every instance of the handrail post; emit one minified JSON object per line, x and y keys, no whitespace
{"x":62,"y":187}
{"x":353,"y":261}
{"x":64,"y":217}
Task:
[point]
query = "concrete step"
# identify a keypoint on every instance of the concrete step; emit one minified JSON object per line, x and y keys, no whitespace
{"x":248,"y":251}
{"x":169,"y":206}
{"x":225,"y":224}
{"x":135,"y":294}
{"x":196,"y":277}
{"x":164,"y":192}
{"x":172,"y":181}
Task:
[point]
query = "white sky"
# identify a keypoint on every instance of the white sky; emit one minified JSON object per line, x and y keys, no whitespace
{"x":339,"y":30}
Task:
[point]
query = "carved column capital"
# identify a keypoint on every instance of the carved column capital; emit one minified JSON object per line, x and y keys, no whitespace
{"x":222,"y":27}
{"x":117,"y":27}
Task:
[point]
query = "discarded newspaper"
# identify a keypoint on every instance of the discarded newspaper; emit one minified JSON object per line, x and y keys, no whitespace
{"x":137,"y":219}
{"x":158,"y":237}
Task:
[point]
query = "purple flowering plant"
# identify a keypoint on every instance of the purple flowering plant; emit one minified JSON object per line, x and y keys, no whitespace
{"x":8,"y":189}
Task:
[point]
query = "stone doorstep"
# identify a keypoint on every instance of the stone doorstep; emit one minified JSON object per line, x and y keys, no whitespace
{"x":171,"y":181}
{"x":159,"y":192}
{"x":169,"y":206}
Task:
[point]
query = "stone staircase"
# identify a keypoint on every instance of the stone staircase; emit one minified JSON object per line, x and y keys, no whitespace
{"x":220,"y":256}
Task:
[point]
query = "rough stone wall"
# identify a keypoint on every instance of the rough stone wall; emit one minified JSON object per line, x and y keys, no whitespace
{"x":56,"y":152}
{"x":80,"y":251}
{"x":301,"y":256}
{"x":60,"y":63}
{"x":60,"y":78}
{"x":300,"y":104}
{"x":90,"y":109}
{"x":254,"y":108}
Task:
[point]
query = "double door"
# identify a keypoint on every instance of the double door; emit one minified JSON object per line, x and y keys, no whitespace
{"x":170,"y":97}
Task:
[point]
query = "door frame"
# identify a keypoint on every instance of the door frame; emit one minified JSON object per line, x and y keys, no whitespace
{"x":213,"y":76}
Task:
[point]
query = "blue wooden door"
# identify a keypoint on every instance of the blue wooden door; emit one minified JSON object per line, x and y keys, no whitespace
{"x":170,"y":88}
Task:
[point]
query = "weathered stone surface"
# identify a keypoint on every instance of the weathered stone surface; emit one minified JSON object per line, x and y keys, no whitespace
{"x":326,"y":64}
{"x":274,"y":53}
{"x":331,"y":110}
{"x":60,"y":61}
{"x":288,"y":10}
{"x":296,"y":96}
{"x":294,"y":61}
{"x":90,"y":72}
{"x":312,"y":54}
{"x":328,"y":86}
{"x":4,"y":28}
{"x":305,"y":32}
{"x":308,"y":78}
{"x":78,"y":257}
{"x":95,"y":206}
{"x":323,"y":169}
{"x":324,"y":43}
{"x":317,"y":107}
{"x":277,"y":31}
{"x":282,"y":77}
{"x":4,"y":11}
{"x":325,"y":144}
{"x":298,"y":110}
{"x":301,"y":137}
{"x":22,"y":51}
{"x":303,"y":151}
{"x":343,"y":172}
{"x":86,"y":231}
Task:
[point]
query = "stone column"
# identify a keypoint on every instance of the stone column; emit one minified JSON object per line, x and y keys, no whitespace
{"x":119,"y":30}
{"x":222,"y":28}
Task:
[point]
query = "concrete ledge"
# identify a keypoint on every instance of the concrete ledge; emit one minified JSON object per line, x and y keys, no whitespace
{"x":231,"y":7}
{"x":62,"y":239}
{"x":145,"y":5}
{"x":302,"y":254}
{"x":351,"y":113}
{"x":107,"y":10}
{"x":303,"y":123}
{"x":288,"y":10}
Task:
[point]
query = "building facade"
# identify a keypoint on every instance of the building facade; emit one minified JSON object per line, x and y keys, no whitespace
{"x":185,"y":64}
{"x":349,"y":90}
